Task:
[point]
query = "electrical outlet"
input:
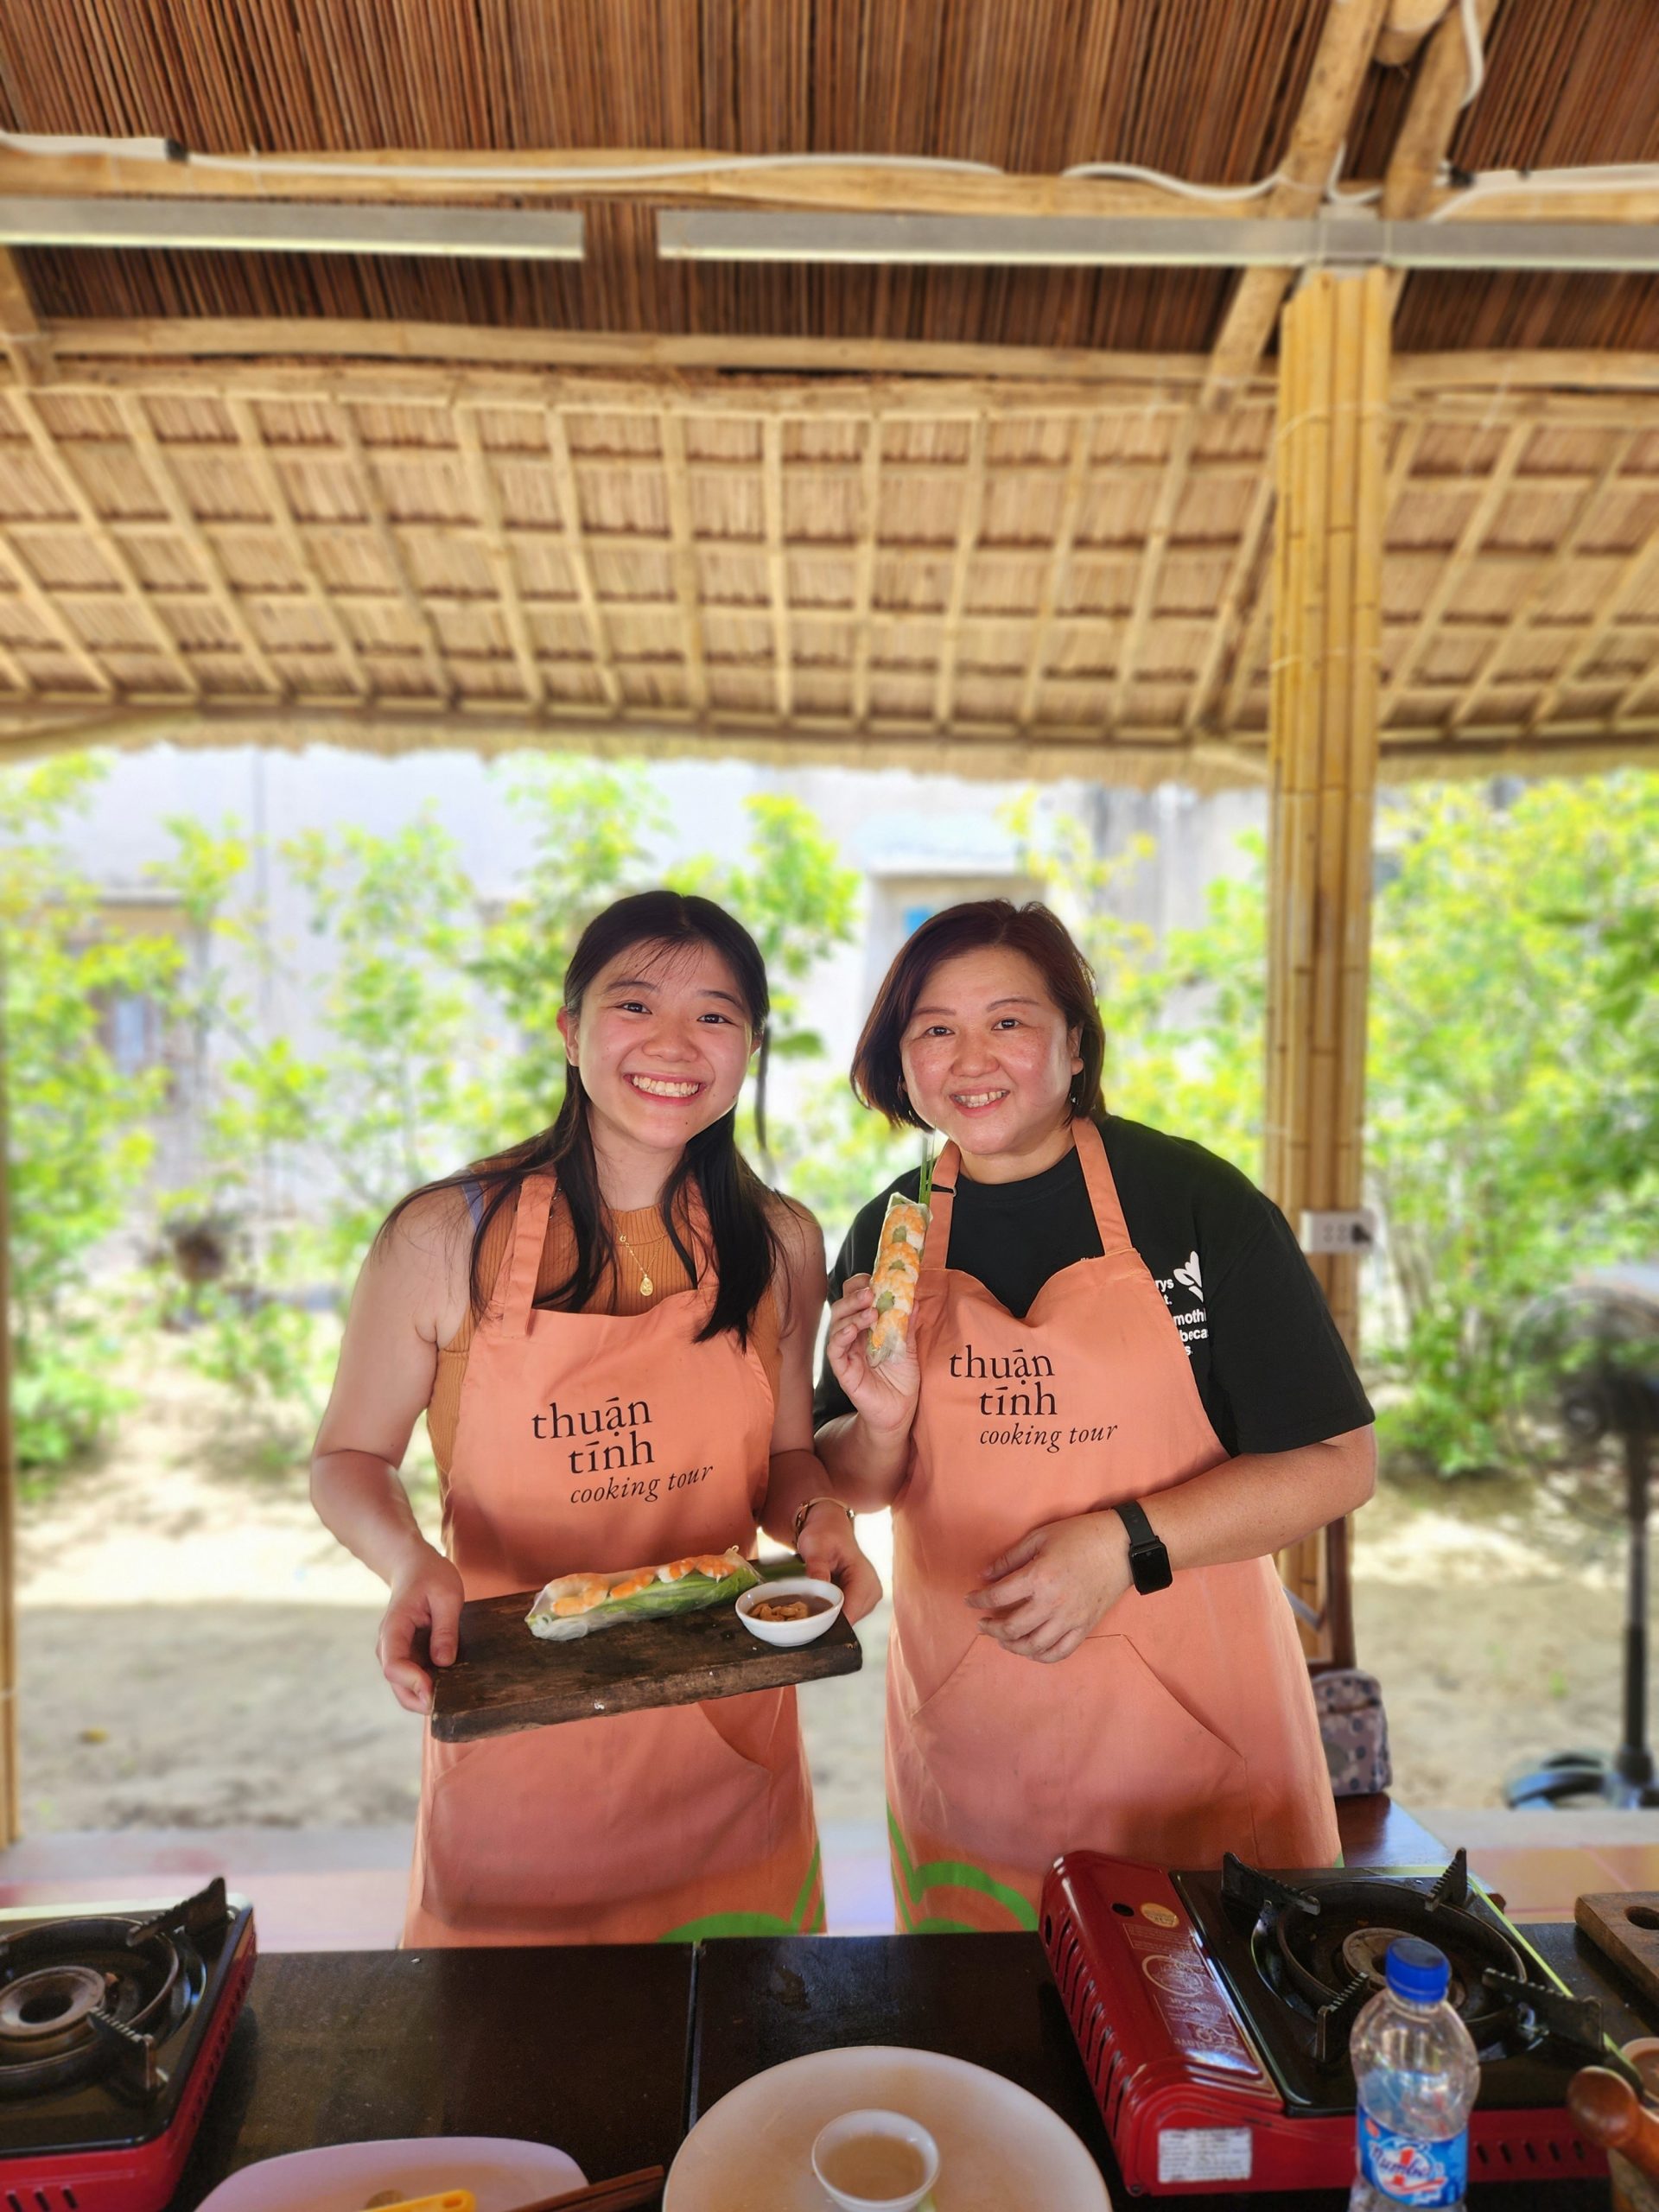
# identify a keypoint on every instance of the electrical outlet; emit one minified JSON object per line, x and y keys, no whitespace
{"x":1355,"y":1231}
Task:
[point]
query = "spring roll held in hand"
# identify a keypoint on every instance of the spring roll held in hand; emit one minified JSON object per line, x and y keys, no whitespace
{"x":896,"y":1272}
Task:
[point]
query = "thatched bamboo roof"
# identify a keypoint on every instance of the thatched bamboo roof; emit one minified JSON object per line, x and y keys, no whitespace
{"x":994,"y":516}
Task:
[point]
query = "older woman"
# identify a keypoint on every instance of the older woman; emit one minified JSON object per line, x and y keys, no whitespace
{"x":1122,"y":1394}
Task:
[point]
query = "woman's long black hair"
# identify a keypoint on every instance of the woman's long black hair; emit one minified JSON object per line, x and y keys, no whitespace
{"x":745,"y":1246}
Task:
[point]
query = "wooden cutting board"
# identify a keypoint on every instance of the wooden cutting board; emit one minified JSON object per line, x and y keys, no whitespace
{"x":505,"y":1678}
{"x":1625,"y":1926}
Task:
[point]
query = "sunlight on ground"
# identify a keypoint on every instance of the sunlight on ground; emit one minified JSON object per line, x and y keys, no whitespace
{"x":197,"y":1651}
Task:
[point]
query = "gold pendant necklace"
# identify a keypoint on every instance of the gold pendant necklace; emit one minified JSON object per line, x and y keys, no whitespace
{"x":647,"y":1288}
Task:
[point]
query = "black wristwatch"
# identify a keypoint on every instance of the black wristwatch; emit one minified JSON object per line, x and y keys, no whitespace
{"x":1149,"y":1560}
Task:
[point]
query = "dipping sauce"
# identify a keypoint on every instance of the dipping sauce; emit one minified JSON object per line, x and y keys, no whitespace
{"x":873,"y":2167}
{"x":788,"y":1609}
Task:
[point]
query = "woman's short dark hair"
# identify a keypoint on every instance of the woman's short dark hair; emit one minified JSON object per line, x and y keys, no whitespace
{"x":1035,"y":931}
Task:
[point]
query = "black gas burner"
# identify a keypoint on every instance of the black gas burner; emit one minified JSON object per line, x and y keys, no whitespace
{"x":93,"y":1999}
{"x":1303,"y":1952}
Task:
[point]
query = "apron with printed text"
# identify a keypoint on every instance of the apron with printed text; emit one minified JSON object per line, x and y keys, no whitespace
{"x":603,"y":1442}
{"x":1184,"y":1725}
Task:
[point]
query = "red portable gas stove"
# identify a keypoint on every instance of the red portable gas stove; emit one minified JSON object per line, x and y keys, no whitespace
{"x":113,"y":2028}
{"x":1212,"y":2011}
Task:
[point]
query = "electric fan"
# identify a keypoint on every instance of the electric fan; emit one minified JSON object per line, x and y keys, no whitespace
{"x":1583,"y":1411}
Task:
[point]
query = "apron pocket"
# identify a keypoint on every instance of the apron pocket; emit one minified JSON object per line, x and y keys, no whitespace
{"x":554,"y":1819}
{"x":1014,"y":1762}
{"x":1157,"y":1784}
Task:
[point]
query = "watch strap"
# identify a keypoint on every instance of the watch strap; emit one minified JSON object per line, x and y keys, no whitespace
{"x":1149,"y":1560}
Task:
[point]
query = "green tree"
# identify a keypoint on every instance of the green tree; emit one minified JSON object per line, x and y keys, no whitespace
{"x":591,"y":828}
{"x":1183,"y":1020}
{"x":79,"y":1143}
{"x":1508,"y":1038}
{"x":1512,"y":1064}
{"x":797,"y":901}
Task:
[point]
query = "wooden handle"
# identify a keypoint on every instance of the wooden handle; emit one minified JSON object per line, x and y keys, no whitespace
{"x":1608,"y":2110}
{"x":621,"y":2194}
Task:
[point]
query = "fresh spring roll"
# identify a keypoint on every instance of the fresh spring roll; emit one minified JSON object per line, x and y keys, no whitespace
{"x":577,"y":1605}
{"x":896,"y":1272}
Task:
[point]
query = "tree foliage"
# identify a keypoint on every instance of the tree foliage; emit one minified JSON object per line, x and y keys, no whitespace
{"x":1513,"y":1080}
{"x":79,"y":1143}
{"x":1513,"y":1052}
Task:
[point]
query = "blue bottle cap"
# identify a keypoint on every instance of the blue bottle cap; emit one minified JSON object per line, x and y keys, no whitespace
{"x":1417,"y":1970}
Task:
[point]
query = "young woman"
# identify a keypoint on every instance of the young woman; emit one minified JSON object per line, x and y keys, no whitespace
{"x":623,"y":1266}
{"x":1122,"y":1394}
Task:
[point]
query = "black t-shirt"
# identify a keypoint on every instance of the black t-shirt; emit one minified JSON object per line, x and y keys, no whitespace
{"x":1271,"y":1369}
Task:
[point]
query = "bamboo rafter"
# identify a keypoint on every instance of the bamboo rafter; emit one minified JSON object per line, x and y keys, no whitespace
{"x":1639,"y":569}
{"x":1549,"y":572}
{"x":499,"y":553}
{"x":642,"y":550}
{"x":391,"y":551}
{"x":187,"y":524}
{"x":772,"y":433}
{"x":576,"y":545}
{"x":973,"y":508}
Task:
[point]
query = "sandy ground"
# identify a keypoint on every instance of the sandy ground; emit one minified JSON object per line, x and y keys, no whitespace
{"x":195,"y":1651}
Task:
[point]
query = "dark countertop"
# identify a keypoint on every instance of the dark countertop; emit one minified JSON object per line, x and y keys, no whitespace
{"x":612,"y":2053}
{"x":584,"y":2047}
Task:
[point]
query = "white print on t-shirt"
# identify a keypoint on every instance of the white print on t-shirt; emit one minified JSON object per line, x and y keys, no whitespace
{"x":1192,"y":1321}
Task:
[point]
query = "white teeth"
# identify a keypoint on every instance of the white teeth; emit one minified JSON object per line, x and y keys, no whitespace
{"x":977,"y":1097}
{"x":656,"y":1087}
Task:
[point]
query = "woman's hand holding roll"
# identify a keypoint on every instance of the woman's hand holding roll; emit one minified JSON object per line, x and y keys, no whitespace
{"x":884,"y":1397}
{"x":1044,"y":1595}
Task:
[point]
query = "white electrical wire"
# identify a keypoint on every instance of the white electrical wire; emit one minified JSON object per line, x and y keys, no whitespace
{"x":599,"y":174}
{"x":1131,"y":174}
{"x":1471,"y":48}
{"x":1608,"y":177}
{"x":1488,"y":183}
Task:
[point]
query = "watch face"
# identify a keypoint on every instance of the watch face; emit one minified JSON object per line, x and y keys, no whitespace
{"x":1149,"y":1564}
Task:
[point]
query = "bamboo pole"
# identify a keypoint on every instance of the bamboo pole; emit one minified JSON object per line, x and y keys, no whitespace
{"x":1333,"y":489}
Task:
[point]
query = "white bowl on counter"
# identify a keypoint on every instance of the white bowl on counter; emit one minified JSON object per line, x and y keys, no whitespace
{"x":787,"y":1634}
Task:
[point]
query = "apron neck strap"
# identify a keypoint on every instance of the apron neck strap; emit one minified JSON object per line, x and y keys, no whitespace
{"x":525,"y":1262}
{"x":1102,"y":1190}
{"x":942,"y":1198}
{"x":1097,"y":1178}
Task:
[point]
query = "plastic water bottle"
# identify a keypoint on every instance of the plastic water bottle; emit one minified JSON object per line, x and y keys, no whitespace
{"x":1417,"y":2075}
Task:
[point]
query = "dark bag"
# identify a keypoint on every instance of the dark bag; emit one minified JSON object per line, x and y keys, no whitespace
{"x":1355,"y":1731}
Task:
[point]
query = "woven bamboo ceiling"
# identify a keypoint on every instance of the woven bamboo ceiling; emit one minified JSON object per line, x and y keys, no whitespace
{"x":998,"y":519}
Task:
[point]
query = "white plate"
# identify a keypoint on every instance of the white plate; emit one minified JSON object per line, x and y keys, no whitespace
{"x":1000,"y":2148}
{"x":342,"y":2177}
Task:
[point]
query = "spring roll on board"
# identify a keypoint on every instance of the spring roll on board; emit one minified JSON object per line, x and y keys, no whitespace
{"x":897,"y":1271}
{"x":577,"y":1605}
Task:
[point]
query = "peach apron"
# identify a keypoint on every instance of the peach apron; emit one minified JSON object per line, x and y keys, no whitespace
{"x":1184,"y":1726}
{"x":592,"y":1440}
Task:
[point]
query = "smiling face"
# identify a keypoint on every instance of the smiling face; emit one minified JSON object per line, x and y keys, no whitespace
{"x":660,"y":1044}
{"x":988,"y":1060}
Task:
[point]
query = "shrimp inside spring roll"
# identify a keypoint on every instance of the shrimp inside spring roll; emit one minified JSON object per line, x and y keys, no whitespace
{"x":894,"y":1277}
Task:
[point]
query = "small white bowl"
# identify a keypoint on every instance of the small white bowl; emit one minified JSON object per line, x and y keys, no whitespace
{"x":902,"y":2129}
{"x":791,"y":1632}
